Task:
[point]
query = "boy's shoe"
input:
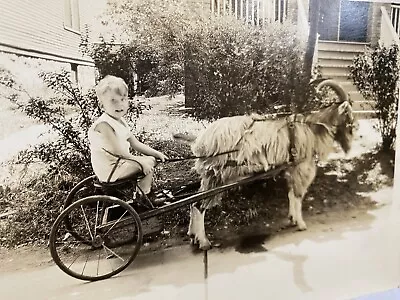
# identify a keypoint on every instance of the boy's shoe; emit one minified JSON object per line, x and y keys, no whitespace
{"x":156,"y":199}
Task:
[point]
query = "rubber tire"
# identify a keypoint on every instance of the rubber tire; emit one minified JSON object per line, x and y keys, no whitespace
{"x":60,"y":219}
{"x":70,"y":200}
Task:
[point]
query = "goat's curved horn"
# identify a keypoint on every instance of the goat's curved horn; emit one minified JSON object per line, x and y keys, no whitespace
{"x":336,"y":87}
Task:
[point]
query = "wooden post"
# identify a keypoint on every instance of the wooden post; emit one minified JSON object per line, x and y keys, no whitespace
{"x":312,"y":37}
{"x":205,"y":261}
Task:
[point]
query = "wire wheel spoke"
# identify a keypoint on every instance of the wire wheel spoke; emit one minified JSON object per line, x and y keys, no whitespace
{"x":103,"y":243}
{"x":87,"y":222}
{"x":113,"y":253}
{"x":116,"y":222}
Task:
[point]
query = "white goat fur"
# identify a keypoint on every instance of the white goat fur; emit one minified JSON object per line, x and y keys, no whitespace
{"x":262,"y":144}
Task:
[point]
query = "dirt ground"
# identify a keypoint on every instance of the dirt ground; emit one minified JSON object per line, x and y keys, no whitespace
{"x":345,"y":188}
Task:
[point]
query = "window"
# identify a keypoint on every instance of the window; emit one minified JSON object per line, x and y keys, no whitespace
{"x":71,"y":18}
{"x":74,"y":73}
{"x":395,"y":16}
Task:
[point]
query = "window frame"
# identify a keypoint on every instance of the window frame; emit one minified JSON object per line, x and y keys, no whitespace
{"x":72,"y":20}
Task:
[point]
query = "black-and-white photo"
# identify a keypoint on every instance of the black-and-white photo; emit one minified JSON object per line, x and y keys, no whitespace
{"x":199,"y":149}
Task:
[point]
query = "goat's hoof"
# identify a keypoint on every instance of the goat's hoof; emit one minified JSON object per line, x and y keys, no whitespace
{"x":302,"y":226}
{"x":205,"y":246}
{"x":291,"y":222}
{"x":193,"y":241}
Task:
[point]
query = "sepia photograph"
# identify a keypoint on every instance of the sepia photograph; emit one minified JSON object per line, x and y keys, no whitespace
{"x":199,"y":149}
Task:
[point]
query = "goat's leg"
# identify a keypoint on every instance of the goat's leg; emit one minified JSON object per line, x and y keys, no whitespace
{"x":299,"y":179}
{"x":301,"y":225}
{"x":292,"y":221}
{"x":197,"y":216}
{"x":192,"y":225}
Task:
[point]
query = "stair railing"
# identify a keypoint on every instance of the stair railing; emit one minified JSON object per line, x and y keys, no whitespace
{"x":254,"y":12}
{"x":388,"y":33}
{"x":395,"y":16}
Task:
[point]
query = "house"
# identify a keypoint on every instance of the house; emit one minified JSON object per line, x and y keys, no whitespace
{"x":45,"y":35}
{"x":345,"y":29}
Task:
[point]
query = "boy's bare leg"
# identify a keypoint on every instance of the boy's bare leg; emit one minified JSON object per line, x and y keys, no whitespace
{"x":145,"y":183}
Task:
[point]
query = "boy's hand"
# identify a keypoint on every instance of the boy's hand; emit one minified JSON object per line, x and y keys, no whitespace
{"x":162,"y":156}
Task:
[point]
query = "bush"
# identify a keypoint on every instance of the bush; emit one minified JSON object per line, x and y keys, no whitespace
{"x":237,"y":69}
{"x":227,"y":67}
{"x":160,"y":28}
{"x":376,"y":74}
{"x":138,"y":66}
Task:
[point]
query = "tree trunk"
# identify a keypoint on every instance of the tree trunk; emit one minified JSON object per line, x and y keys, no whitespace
{"x":314,"y":10}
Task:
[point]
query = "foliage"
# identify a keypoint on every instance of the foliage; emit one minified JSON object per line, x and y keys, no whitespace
{"x":35,"y":207}
{"x":376,"y":75}
{"x":154,"y":51}
{"x":227,"y":67}
{"x":237,"y":69}
{"x":139,"y":67}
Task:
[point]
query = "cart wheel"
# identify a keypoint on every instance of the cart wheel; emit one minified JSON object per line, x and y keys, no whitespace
{"x":106,"y":238}
{"x":83,"y":189}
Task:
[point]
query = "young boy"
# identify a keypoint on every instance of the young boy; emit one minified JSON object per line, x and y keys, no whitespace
{"x":110,"y":138}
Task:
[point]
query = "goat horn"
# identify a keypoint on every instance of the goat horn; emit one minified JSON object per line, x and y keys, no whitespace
{"x":336,"y":87}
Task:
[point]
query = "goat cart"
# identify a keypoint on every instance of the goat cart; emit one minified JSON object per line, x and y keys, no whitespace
{"x":97,"y":235}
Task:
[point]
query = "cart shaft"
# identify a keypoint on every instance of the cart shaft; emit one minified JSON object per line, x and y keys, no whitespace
{"x":209,"y":193}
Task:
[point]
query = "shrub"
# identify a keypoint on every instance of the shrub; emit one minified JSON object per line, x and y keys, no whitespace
{"x":138,"y":66}
{"x":376,"y":74}
{"x":239,"y":69}
{"x":227,"y":67}
{"x":154,"y":51}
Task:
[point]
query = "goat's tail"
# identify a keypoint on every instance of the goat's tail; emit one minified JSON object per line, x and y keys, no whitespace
{"x":184,"y":137}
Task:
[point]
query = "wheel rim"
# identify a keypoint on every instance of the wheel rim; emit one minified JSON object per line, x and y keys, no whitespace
{"x":83,"y":189}
{"x":106,"y":238}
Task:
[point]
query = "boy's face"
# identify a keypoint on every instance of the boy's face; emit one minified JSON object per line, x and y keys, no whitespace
{"x":114,"y":104}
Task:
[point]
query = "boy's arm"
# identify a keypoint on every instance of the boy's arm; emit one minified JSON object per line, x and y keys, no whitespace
{"x":108,"y":133}
{"x":144,"y":149}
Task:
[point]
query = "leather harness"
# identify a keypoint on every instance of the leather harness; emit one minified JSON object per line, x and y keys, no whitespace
{"x":293,"y":153}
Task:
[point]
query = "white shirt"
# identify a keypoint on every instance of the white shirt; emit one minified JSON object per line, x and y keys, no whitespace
{"x":103,"y":162}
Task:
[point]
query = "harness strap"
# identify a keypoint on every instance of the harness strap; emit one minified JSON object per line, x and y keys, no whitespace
{"x":291,"y":126}
{"x":119,"y":158}
{"x":113,"y":169}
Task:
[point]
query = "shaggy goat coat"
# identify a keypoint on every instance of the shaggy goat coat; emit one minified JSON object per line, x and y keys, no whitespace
{"x":254,"y":143}
{"x":259,"y":144}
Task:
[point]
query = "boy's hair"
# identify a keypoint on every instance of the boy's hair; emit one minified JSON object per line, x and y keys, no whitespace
{"x":113,"y":83}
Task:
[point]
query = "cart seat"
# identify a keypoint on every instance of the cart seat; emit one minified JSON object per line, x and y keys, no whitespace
{"x":119,"y":183}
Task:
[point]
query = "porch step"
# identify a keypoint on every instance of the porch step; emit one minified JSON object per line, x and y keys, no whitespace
{"x":337,"y":55}
{"x":363,"y":105}
{"x":334,"y":59}
{"x":364,"y":114}
{"x":342,"y":46}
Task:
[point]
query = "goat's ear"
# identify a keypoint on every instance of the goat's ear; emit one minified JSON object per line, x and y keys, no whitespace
{"x":344,"y":107}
